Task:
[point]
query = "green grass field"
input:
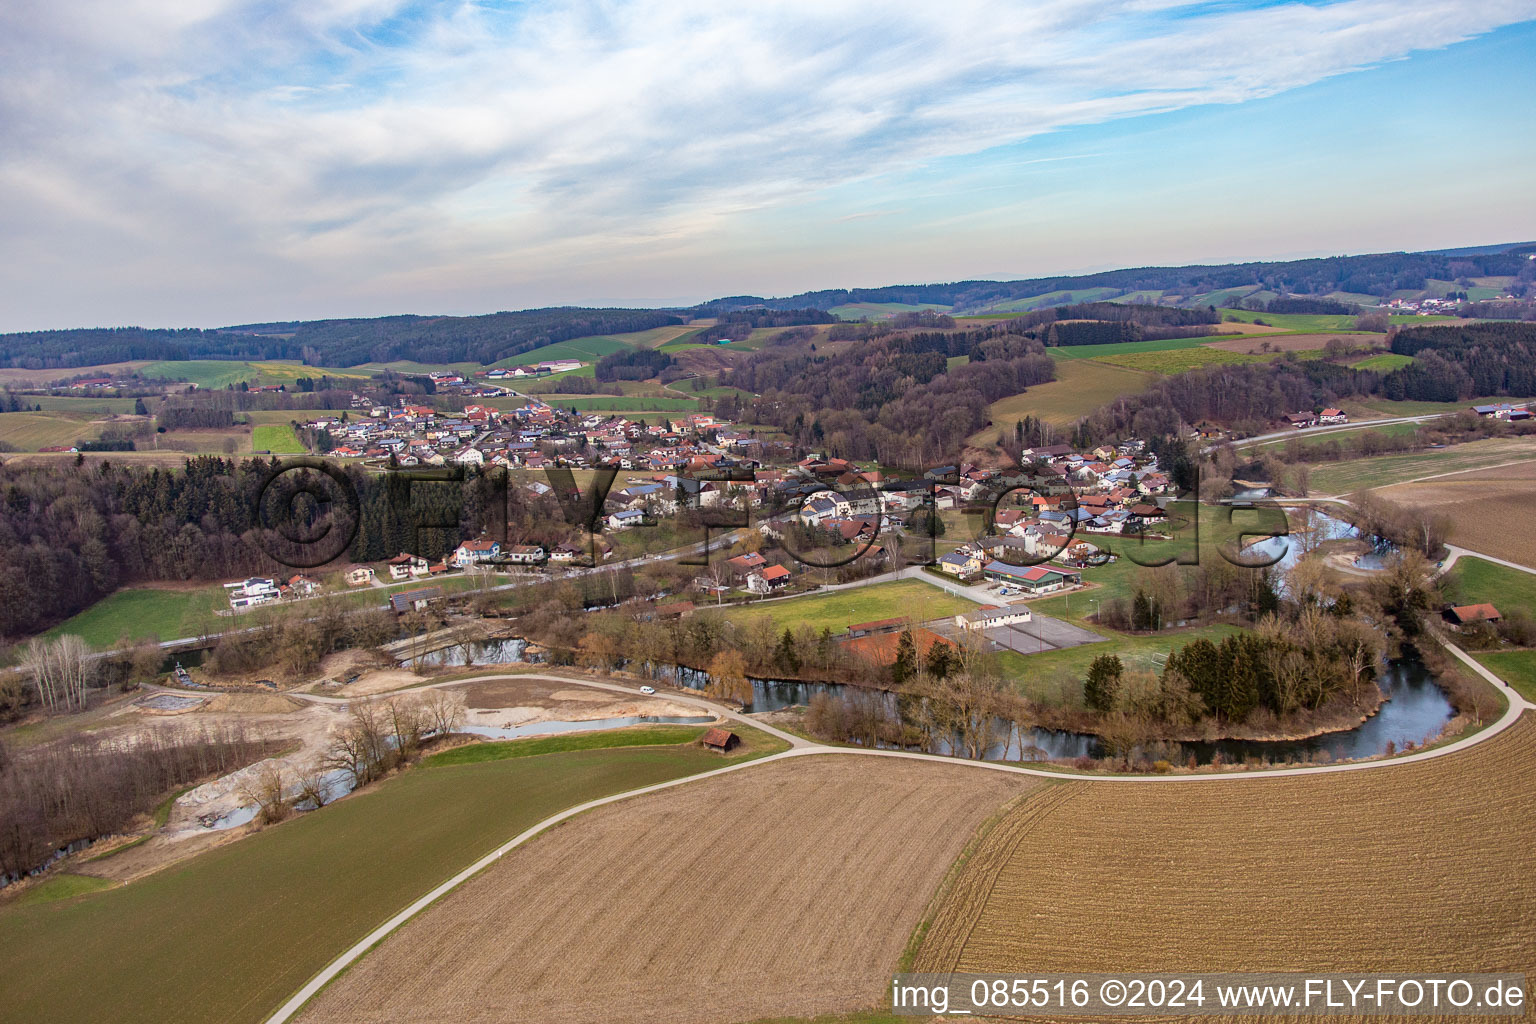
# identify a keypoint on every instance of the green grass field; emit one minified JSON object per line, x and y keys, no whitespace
{"x":1308,"y":322}
{"x":882,"y":310}
{"x":1382,"y":470}
{"x":1171,"y":361}
{"x":1477,"y":581}
{"x":1384,"y":363}
{"x":620,"y":403}
{"x":1120,"y":348}
{"x":29,"y":431}
{"x":1080,"y":387}
{"x":277,"y":438}
{"x":84,"y":406}
{"x":144,"y":613}
{"x":1050,"y":675}
{"x":837,"y":610}
{"x":1517,"y":668}
{"x":230,"y":934}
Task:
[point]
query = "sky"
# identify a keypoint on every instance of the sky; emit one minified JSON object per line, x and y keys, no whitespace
{"x":211,"y":162}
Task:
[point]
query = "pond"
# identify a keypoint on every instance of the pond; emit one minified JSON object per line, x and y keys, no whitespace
{"x":480,"y":652}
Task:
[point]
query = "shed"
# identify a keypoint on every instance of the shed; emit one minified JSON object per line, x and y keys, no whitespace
{"x":722,"y":740}
{"x":1467,"y":613}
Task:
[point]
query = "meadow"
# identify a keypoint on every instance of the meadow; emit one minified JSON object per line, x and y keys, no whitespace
{"x":1517,"y":668}
{"x":277,"y":438}
{"x":230,"y":934}
{"x":1080,"y":387}
{"x":142,"y":613}
{"x":837,"y":610}
{"x":1386,"y":362}
{"x":1476,"y":581}
{"x":777,"y":898}
{"x":1263,"y":874}
{"x":1383,"y":470}
{"x":29,"y":431}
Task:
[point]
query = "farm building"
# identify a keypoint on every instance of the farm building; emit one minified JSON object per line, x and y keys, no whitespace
{"x":722,"y":740}
{"x":1467,"y":614}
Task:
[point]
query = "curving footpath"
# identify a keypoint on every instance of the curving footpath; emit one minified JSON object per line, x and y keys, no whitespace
{"x":802,"y":747}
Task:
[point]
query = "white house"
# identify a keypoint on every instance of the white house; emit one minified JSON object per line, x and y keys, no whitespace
{"x":987,"y":618}
{"x":404,"y":565}
{"x":525,"y":554}
{"x":625,"y":519}
{"x":474,"y":552}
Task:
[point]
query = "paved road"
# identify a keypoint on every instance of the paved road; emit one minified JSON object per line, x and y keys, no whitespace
{"x":1335,"y":428}
{"x":1456,"y":553}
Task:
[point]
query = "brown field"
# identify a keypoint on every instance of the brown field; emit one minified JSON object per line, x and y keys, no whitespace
{"x":33,"y":378}
{"x":1425,"y":866}
{"x":1294,"y":342}
{"x":1487,"y":507}
{"x":785,"y":889}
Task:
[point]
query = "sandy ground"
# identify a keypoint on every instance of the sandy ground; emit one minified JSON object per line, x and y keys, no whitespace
{"x":383,"y":680}
{"x":503,"y":703}
{"x":306,"y":728}
{"x":783,"y":890}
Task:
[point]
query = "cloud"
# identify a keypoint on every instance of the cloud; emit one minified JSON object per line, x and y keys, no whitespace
{"x":378,"y":144}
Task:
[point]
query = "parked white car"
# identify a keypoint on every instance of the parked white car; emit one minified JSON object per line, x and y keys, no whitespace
{"x":647,"y":689}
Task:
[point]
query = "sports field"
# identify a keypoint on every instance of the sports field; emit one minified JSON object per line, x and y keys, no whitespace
{"x":230,"y":934}
{"x":837,"y":610}
{"x":1418,"y":867}
{"x":786,"y":889}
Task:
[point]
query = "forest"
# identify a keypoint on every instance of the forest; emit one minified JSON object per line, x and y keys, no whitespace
{"x":892,"y":399}
{"x":1458,"y":361}
{"x":441,"y":339}
{"x":1374,"y":274}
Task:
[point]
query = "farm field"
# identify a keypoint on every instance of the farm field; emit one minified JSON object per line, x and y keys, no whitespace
{"x":144,"y":612}
{"x":1120,"y":348}
{"x":1388,"y":408}
{"x":87,"y":406}
{"x":1482,"y":505}
{"x":277,"y":438}
{"x":882,"y":310}
{"x":838,"y":609}
{"x":230,"y":934}
{"x":1080,"y":387}
{"x":1384,"y":470}
{"x":29,"y":431}
{"x":1172,"y":361}
{"x":1294,"y":321}
{"x":621,"y":403}
{"x":34,"y":378}
{"x":1414,"y":868}
{"x":1255,"y":344}
{"x":784,"y":895}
